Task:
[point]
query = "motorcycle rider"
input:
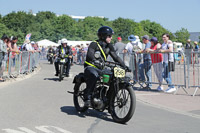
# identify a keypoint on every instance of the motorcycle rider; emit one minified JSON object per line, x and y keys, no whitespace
{"x":50,"y":51}
{"x":92,"y":65}
{"x":63,"y":49}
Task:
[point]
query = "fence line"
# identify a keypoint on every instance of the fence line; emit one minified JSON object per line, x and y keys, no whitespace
{"x":193,"y":71}
{"x":186,"y":72}
{"x":16,"y":64}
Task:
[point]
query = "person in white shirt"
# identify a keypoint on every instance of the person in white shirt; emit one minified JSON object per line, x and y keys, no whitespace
{"x":128,"y":50}
{"x":167,"y":47}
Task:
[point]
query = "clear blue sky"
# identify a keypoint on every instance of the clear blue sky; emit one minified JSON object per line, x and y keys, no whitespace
{"x":172,"y":14}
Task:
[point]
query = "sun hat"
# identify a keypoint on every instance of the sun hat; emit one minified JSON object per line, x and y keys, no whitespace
{"x":131,"y":38}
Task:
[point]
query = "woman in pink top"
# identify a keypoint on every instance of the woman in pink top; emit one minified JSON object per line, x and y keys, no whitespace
{"x":157,"y":61}
{"x":14,"y":51}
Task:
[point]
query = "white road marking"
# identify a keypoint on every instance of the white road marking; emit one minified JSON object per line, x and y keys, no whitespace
{"x":44,"y":129}
{"x":26,"y":130}
{"x":150,"y":94}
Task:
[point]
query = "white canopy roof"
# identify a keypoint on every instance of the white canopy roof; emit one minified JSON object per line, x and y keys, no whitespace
{"x":74,"y":43}
{"x":46,"y":43}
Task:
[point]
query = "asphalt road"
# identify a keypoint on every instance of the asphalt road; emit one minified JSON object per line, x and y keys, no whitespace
{"x":41,"y":104}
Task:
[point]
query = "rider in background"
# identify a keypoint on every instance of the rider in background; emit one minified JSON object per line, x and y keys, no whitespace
{"x":92,"y":65}
{"x":63,"y":49}
{"x":50,"y":51}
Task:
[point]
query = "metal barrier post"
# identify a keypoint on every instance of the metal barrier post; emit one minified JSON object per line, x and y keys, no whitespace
{"x":9,"y":64}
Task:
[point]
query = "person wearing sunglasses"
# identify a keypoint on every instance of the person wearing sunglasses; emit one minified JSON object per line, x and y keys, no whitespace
{"x":92,"y":65}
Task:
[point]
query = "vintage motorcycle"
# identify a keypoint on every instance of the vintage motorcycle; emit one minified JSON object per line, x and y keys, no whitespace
{"x":62,"y":66}
{"x":51,"y":58}
{"x":113,"y":92}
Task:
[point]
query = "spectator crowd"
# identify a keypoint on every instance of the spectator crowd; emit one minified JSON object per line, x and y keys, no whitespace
{"x":9,"y":50}
{"x":149,"y":52}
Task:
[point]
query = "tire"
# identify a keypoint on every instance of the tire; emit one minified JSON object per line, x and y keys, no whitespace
{"x":79,"y":92}
{"x":51,"y":60}
{"x":130,"y":111}
{"x":61,"y":72}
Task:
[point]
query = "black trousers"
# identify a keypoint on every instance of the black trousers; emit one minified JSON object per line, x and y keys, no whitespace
{"x":67,"y":64}
{"x":91,"y":74}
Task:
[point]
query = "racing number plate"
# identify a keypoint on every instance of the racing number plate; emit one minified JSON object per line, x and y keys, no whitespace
{"x":62,"y":60}
{"x":119,"y":73}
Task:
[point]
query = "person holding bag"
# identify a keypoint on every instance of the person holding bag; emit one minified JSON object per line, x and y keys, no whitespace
{"x":167,"y":47}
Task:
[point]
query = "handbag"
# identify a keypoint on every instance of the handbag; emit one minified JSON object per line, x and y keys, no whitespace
{"x":171,"y":65}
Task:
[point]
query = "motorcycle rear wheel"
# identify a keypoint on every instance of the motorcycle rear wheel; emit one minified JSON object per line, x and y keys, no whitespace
{"x":79,"y":97}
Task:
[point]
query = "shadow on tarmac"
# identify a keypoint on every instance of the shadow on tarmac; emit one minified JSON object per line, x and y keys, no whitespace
{"x":144,"y":89}
{"x":52,"y":79}
{"x":70,"y":110}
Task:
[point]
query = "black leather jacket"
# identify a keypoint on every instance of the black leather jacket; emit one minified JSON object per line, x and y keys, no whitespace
{"x":67,"y":50}
{"x":51,"y":50}
{"x":108,"y":50}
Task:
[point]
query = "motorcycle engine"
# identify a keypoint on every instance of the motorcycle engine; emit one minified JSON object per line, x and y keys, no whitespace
{"x":99,"y":98}
{"x":98,"y":103}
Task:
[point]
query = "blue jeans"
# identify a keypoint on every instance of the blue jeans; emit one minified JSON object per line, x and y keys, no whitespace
{"x":146,"y":67}
{"x":167,"y":75}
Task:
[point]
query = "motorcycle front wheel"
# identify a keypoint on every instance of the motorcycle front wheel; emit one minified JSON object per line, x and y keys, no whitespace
{"x":61,"y":72}
{"x":79,"y":97}
{"x":51,"y":60}
{"x":122,"y":105}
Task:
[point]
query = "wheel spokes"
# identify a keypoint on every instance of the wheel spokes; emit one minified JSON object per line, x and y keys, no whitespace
{"x":120,"y":103}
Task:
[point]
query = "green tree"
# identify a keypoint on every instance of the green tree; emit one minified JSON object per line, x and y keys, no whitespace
{"x":155,"y":29}
{"x":47,"y":31}
{"x":126,"y":27}
{"x":65,"y":27}
{"x":5,"y":30}
{"x":47,"y":15}
{"x":90,"y":26}
{"x":0,"y":18}
{"x":182,"y":35}
{"x":18,"y":21}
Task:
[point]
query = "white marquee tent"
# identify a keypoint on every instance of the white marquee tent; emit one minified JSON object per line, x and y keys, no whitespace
{"x":74,"y":43}
{"x":46,"y":43}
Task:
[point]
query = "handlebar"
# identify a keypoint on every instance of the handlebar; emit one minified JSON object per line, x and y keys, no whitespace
{"x":114,"y":64}
{"x":110,"y":62}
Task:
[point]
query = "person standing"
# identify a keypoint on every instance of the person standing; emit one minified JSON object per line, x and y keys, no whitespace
{"x":128,"y":50}
{"x":119,"y":47}
{"x":3,"y":55}
{"x":188,"y":44}
{"x":136,"y":58}
{"x":167,"y":47}
{"x":188,"y":51}
{"x":85,"y":51}
{"x":157,"y":61}
{"x":147,"y":63}
{"x":196,"y":49}
{"x":14,"y":51}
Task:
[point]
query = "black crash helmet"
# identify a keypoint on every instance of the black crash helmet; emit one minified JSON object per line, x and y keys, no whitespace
{"x":104,"y":31}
